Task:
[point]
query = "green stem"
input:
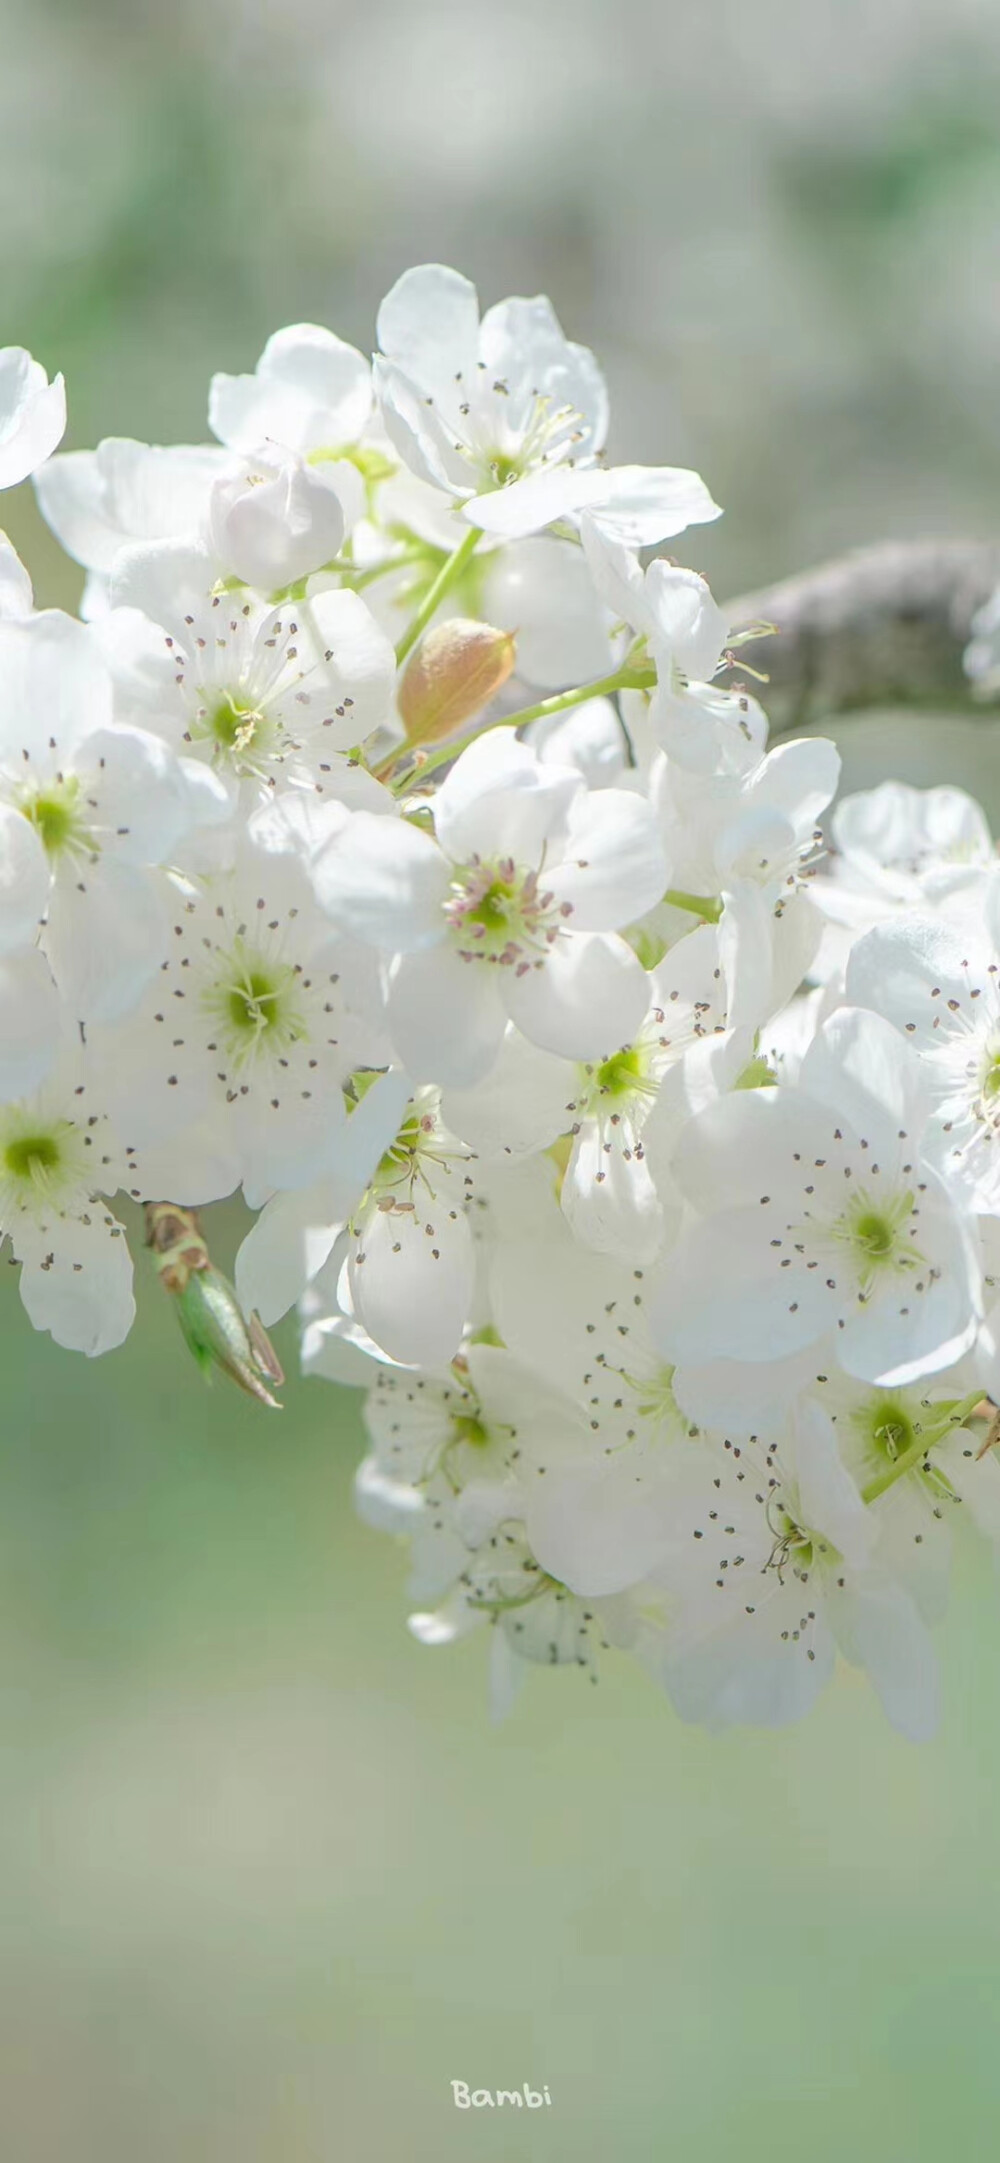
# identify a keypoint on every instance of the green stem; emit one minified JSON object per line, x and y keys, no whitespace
{"x":360,"y":579}
{"x":707,"y":906}
{"x":451,"y":570}
{"x":624,"y":679}
{"x":957,"y":1414}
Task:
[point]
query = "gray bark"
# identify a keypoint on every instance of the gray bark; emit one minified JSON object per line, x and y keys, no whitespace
{"x":882,"y":627}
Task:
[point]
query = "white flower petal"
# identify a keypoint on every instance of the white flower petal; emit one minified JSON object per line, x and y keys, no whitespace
{"x":32,"y":415}
{"x":877,"y":1627}
{"x":542,"y":590}
{"x":106,"y":936}
{"x":416,"y":431}
{"x":428,"y":324}
{"x":926,"y":1323}
{"x":446,"y":1016}
{"x":16,"y":597}
{"x":140,"y":789}
{"x":24,"y":880}
{"x":613,"y":867}
{"x":609,"y":1198}
{"x":522,"y":342}
{"x":636,"y":505}
{"x":31,"y":1019}
{"x":587,"y":997}
{"x":383,"y":880}
{"x":286,"y":1249}
{"x":831,"y":1503}
{"x":97,"y":502}
{"x":618,"y":576}
{"x":198,"y":1164}
{"x":500,"y":800}
{"x":54,"y":691}
{"x":597,"y":1529}
{"x":310,"y":392}
{"x":273,"y":527}
{"x":411,"y":1280}
{"x":519,"y":1107}
{"x":359,"y":666}
{"x":76,"y":1279}
{"x":860,"y":1067}
{"x":295,"y":1232}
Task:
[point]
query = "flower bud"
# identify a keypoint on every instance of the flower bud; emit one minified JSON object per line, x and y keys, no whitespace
{"x":457,"y":668}
{"x":271,"y":525}
{"x":217,"y":1332}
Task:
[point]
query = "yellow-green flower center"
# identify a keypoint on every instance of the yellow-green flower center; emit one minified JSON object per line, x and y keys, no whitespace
{"x":57,"y":816}
{"x":892,"y":1430}
{"x":874,"y":1234}
{"x":40,"y":1166}
{"x":27,"y":1155}
{"x":254,"y":1004}
{"x":991,"y":1079}
{"x":879,"y":1234}
{"x":621,"y":1074}
{"x":498,"y":913}
{"x":466,"y":1427}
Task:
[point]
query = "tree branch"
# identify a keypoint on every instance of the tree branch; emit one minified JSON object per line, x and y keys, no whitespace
{"x":883,"y":626}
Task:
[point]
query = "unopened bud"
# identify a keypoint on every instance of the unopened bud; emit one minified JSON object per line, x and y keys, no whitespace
{"x":272,"y":525}
{"x":215,"y":1329}
{"x":457,"y":668}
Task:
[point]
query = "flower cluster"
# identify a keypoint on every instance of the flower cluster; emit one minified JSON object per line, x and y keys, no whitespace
{"x":395,"y":838}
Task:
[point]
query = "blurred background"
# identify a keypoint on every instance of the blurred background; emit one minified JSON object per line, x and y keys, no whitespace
{"x":268,"y":1879}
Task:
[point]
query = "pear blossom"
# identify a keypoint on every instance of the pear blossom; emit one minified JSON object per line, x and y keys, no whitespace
{"x":897,"y":849}
{"x":535,"y":1620}
{"x":16,"y":596}
{"x":542,"y":588}
{"x":771,"y":1575}
{"x":939,"y":986}
{"x":672,"y":611}
{"x":59,"y":1161}
{"x":406,"y":1249}
{"x":394,"y":843}
{"x":446,"y":1469}
{"x":509,"y":911}
{"x":309,"y":393}
{"x":32,"y":415}
{"x":509,"y":418}
{"x":271,"y":523}
{"x":605,"y":1472}
{"x":819,"y":1212}
{"x":622,"y":1112}
{"x":88,"y":811}
{"x":913,"y":1453}
{"x":99,"y":502}
{"x":254,"y":1022}
{"x":269,"y":696}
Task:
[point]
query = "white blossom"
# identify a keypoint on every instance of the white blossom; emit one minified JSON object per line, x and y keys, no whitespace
{"x":59,"y":1159}
{"x":32,"y":415}
{"x":820,"y":1213}
{"x":627,"y":1137}
{"x":510,"y":911}
{"x":310,"y":393}
{"x":254,"y":1022}
{"x":510,"y":418}
{"x":265,"y":695}
{"x":771,"y":1574}
{"x":87,"y":811}
{"x":99,"y":502}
